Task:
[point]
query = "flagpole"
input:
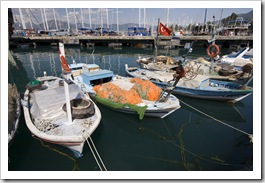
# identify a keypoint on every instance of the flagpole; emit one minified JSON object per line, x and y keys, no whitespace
{"x":156,"y":39}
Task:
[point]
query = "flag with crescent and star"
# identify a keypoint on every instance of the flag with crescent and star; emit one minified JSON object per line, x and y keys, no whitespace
{"x":164,"y":30}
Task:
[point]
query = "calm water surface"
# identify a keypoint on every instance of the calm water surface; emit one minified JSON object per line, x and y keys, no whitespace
{"x":185,"y":140}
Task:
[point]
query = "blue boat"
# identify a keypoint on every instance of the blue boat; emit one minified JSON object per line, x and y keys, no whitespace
{"x":203,"y":87}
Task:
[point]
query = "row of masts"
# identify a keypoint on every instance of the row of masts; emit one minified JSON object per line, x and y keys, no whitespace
{"x":142,"y":21}
{"x":45,"y":20}
{"x":46,"y":26}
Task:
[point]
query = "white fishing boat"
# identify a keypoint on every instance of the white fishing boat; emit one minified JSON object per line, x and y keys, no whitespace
{"x":14,"y":111}
{"x":201,"y":86}
{"x":238,"y":59}
{"x":59,"y":113}
{"x":122,"y":94}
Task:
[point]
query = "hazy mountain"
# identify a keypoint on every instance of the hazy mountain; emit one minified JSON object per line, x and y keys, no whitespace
{"x":247,"y":16}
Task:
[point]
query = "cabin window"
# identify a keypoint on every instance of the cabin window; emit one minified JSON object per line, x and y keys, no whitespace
{"x":76,"y":68}
{"x":100,"y":81}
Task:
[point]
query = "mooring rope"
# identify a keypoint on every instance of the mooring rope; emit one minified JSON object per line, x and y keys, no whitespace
{"x":60,"y":152}
{"x":95,"y":149}
{"x":249,"y":135}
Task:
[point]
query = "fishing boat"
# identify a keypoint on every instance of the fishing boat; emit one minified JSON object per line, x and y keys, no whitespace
{"x":119,"y":93}
{"x":60,"y":113}
{"x":161,"y":62}
{"x":239,"y":69}
{"x":14,"y":111}
{"x":238,"y":59}
{"x":201,"y":86}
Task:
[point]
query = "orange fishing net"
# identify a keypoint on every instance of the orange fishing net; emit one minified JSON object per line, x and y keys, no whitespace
{"x":142,"y":89}
{"x":116,"y":94}
{"x":146,"y":89}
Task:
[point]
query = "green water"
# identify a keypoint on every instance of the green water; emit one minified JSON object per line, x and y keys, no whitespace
{"x":185,"y":140}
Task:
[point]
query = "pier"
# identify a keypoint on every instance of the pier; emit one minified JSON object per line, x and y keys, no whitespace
{"x":133,"y":41}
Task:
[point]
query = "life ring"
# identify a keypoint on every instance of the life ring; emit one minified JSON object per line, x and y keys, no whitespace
{"x":213,"y":50}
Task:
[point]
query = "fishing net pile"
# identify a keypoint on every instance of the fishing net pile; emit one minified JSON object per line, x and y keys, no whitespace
{"x":142,"y":89}
{"x":114,"y":96}
{"x":146,"y":89}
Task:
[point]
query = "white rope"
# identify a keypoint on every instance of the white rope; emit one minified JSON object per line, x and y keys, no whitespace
{"x":97,"y":153}
{"x":92,"y":150}
{"x":249,"y":135}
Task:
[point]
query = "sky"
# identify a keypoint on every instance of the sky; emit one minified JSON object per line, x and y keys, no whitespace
{"x":136,"y":16}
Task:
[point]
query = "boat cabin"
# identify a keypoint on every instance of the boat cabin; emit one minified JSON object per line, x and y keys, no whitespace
{"x":97,"y":77}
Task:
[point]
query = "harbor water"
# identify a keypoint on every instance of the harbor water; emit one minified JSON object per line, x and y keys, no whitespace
{"x":200,"y":136}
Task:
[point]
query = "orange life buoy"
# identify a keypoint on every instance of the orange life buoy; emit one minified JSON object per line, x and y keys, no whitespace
{"x":213,"y":50}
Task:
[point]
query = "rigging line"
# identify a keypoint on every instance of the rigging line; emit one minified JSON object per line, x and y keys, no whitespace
{"x":167,"y":129}
{"x":91,"y":54}
{"x":97,"y":153}
{"x":34,"y":17}
{"x":250,"y":135}
{"x":92,"y":150}
{"x":184,"y":149}
{"x":109,"y":63}
{"x":93,"y":154}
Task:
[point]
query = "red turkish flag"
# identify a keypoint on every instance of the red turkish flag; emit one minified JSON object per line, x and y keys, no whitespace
{"x":164,"y":30}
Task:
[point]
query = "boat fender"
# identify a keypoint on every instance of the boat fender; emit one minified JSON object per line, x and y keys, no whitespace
{"x":35,"y":84}
{"x":213,"y":50}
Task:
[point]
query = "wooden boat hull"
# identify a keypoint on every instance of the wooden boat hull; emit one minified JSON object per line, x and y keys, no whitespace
{"x":219,"y":91}
{"x":159,"y":113}
{"x":73,"y":141}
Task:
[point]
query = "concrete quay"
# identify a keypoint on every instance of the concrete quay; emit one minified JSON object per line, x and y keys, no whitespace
{"x":133,"y":41}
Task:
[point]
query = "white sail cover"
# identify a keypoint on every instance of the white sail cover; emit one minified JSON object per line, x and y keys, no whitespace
{"x":48,"y":103}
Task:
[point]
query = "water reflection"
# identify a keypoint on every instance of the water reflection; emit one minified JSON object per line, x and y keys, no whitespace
{"x":185,"y":140}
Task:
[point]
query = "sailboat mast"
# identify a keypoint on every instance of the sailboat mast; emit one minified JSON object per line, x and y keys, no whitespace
{"x":117,"y":21}
{"x":205,"y":16}
{"x":59,"y":20}
{"x":43,"y":22}
{"x":55,"y":19}
{"x":144,"y":18}
{"x":82,"y":19}
{"x":101,"y":22}
{"x":167,"y":17}
{"x":75,"y":21}
{"x":22,"y":19}
{"x":220,"y":21}
{"x":107,"y":13}
{"x":67,"y":18}
{"x":89,"y":18}
{"x":29,"y":19}
{"x":139,"y":17}
{"x":45,"y":17}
